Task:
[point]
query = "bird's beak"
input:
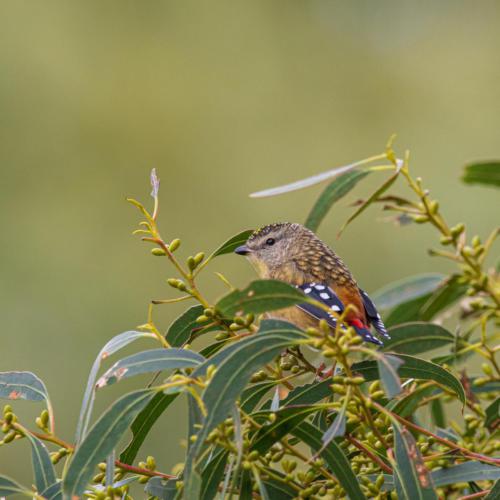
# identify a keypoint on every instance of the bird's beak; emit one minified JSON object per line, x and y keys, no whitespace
{"x":242,"y":250}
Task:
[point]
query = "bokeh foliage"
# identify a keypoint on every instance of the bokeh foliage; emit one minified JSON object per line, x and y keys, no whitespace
{"x":264,"y":419}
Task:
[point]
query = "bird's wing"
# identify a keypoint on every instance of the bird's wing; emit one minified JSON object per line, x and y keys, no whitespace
{"x":324,"y":294}
{"x":373,"y":316}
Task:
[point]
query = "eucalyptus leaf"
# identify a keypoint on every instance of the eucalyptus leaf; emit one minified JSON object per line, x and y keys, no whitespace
{"x":234,"y":370}
{"x":494,"y":493}
{"x":406,"y":312}
{"x":259,"y":297}
{"x":149,"y":361}
{"x":10,"y":487}
{"x":43,"y":468}
{"x":53,"y":492}
{"x":468,"y":471}
{"x":22,"y":385}
{"x":485,"y":172}
{"x":493,"y":415}
{"x":337,"y":428}
{"x":143,"y":423}
{"x":406,"y":289}
{"x":115,"y":344}
{"x":333,"y":456}
{"x":233,"y":243}
{"x":252,"y":395}
{"x":185,"y":326}
{"x":335,"y":191}
{"x":161,"y":489}
{"x":388,"y":367}
{"x":414,"y":368}
{"x":284,"y":422}
{"x":443,"y":297}
{"x":102,"y":438}
{"x":417,"y":337}
{"x":414,"y":481}
{"x":371,"y":199}
{"x":212,"y":475}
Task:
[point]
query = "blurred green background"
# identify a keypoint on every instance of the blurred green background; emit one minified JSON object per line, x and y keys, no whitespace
{"x":223,"y":98}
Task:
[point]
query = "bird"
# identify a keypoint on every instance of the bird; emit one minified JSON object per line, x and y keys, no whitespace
{"x":292,"y":253}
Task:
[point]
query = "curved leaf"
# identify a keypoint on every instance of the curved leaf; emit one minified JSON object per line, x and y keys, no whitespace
{"x":116,"y":343}
{"x":10,"y":487}
{"x":468,"y":471}
{"x":260,"y":296}
{"x":444,"y":296}
{"x":485,"y":172}
{"x":143,"y":423}
{"x":494,"y":493}
{"x":53,"y":492}
{"x":492,"y":420}
{"x":251,"y":396}
{"x":413,"y":367}
{"x":22,"y":385}
{"x":413,"y":480}
{"x":286,"y":420}
{"x":406,"y":312}
{"x":371,"y":199}
{"x":212,"y":475}
{"x":161,"y":489}
{"x":417,"y":337}
{"x":337,"y":428}
{"x":388,"y":367}
{"x":232,"y":243}
{"x":401,"y":291}
{"x":333,"y":456}
{"x":43,"y":468}
{"x":102,"y":439}
{"x":335,"y":191}
{"x":235,"y":366}
{"x":181,"y":330}
{"x":150,"y":361}
{"x":309,"y":393}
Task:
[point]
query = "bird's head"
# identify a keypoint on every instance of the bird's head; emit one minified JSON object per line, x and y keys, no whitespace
{"x":275,"y":245}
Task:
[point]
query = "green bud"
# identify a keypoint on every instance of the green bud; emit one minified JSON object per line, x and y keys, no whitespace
{"x":158,"y":252}
{"x":446,"y":240}
{"x":10,"y":437}
{"x":102,"y":466}
{"x":7,"y":409}
{"x":222,"y":336}
{"x":433,"y":207}
{"x":420,"y":219}
{"x":252,"y":456}
{"x":202,"y":319}
{"x":339,"y":389}
{"x":198,"y":258}
{"x":295,"y":369}
{"x":209,"y":312}
{"x":9,"y":417}
{"x":487,"y":369}
{"x":476,"y":241}
{"x":191,"y":263}
{"x":151,"y":463}
{"x":174,"y":245}
{"x":173,"y":282}
{"x":45,"y":417}
{"x":98,"y":477}
{"x":458,"y":229}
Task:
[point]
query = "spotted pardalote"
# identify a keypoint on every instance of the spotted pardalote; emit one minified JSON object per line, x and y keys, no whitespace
{"x":292,"y":253}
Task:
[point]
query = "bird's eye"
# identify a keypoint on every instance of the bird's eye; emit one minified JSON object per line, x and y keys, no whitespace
{"x":270,"y":241}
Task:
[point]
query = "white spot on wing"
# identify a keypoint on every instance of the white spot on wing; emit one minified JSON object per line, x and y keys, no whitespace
{"x":308,"y":290}
{"x":324,"y":295}
{"x":319,"y":287}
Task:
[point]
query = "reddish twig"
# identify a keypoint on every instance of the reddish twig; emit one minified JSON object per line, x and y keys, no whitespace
{"x":369,"y":454}
{"x":479,"y":494}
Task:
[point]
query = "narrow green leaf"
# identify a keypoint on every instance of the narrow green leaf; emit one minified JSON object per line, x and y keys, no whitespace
{"x":444,"y":296}
{"x":43,"y":469}
{"x":315,"y":179}
{"x":22,"y":385}
{"x":417,"y":337}
{"x":102,"y":438}
{"x":232,"y":243}
{"x":437,"y":413}
{"x":415,"y":368}
{"x":143,"y":423}
{"x":415,"y":481}
{"x":468,"y":471}
{"x":388,"y":367}
{"x":212,"y":475}
{"x":494,"y":493}
{"x":235,"y":366}
{"x":180,"y":331}
{"x":252,"y":395}
{"x":335,"y":191}
{"x":280,"y":490}
{"x":486,"y":172}
{"x":161,"y":489}
{"x":149,"y":361}
{"x":53,"y":492}
{"x":337,"y":428}
{"x":309,"y":393}
{"x":407,"y":405}
{"x":260,"y":296}
{"x":114,"y":345}
{"x":372,"y":198}
{"x":406,"y":289}
{"x":286,"y":420}
{"x":406,"y":312}
{"x":493,"y":415}
{"x":10,"y":487}
{"x":333,"y":456}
